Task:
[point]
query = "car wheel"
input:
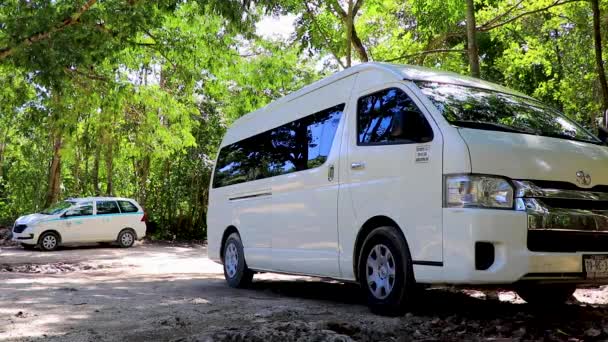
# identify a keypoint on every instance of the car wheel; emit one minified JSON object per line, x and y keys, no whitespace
{"x":546,"y":295}
{"x":126,"y":238}
{"x":386,"y":272}
{"x":28,"y":247}
{"x":236,"y":272}
{"x":48,"y":241}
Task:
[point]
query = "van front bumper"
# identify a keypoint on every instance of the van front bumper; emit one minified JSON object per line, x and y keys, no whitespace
{"x":507,"y":232}
{"x":27,"y":236}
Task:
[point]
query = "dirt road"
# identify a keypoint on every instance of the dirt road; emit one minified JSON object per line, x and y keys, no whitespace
{"x":173,"y":293}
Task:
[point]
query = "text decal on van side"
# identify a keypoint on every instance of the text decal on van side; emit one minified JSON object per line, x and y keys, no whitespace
{"x":423,"y":153}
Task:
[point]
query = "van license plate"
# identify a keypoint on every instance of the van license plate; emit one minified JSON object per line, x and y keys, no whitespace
{"x":596,"y":266}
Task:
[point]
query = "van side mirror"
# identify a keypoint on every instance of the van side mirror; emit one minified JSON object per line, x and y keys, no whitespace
{"x":602,"y":133}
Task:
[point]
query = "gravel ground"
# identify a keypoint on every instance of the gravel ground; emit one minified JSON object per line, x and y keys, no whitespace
{"x":156,"y":292}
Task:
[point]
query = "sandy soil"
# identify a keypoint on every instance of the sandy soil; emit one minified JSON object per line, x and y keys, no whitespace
{"x":174,"y":293}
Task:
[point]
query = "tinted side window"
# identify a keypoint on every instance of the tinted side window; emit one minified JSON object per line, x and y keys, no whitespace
{"x":391,"y":117}
{"x":305,"y":143}
{"x":127,"y":207}
{"x":85,"y":209}
{"x":107,"y":207}
{"x":299,"y":145}
{"x":244,"y":161}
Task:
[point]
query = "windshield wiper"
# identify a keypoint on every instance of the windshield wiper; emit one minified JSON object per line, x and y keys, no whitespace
{"x":569,"y":137}
{"x":490,"y":126}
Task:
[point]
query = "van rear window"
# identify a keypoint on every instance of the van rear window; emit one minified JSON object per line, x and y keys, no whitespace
{"x":127,"y":207}
{"x":299,"y":145}
{"x":107,"y":207}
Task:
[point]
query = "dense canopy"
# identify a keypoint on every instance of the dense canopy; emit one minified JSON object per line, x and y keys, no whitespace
{"x":131,"y":98}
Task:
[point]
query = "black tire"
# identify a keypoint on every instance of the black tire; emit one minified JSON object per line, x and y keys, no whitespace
{"x":126,"y":238}
{"x":236,"y":272}
{"x":48,"y":241}
{"x":28,"y":247}
{"x":546,"y":295}
{"x":376,"y":280}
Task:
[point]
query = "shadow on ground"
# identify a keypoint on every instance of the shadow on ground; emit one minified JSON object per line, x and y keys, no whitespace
{"x":177,"y":294}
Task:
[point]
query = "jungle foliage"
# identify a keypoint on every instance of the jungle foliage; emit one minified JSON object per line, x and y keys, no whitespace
{"x":131,"y":98}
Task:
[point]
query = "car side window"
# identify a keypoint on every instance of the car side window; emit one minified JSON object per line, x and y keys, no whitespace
{"x":85,"y":209}
{"x":389,"y":117}
{"x":127,"y":207}
{"x":107,"y":207}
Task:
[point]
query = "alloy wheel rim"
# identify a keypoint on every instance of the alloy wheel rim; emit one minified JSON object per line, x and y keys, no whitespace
{"x":231,"y":260}
{"x":380,"y":271}
{"x":126,"y":239}
{"x":49,"y":242}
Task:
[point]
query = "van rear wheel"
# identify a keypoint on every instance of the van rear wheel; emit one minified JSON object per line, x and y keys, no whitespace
{"x":236,"y":272}
{"x":126,"y":238}
{"x":386,"y":272}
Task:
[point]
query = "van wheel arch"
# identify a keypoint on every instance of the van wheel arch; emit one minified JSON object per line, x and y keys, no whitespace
{"x":229,"y":230}
{"x":366,"y":229}
{"x":45,"y":233}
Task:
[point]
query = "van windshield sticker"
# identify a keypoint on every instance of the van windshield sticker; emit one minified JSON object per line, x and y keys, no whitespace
{"x":423,"y":153}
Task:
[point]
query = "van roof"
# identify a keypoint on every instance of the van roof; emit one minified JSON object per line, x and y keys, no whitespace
{"x":399,"y":71}
{"x":86,"y":199}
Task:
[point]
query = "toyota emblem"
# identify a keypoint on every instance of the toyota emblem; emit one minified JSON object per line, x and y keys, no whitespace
{"x":583,"y":178}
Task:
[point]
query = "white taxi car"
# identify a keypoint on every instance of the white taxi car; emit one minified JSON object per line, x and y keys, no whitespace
{"x":82,"y":220}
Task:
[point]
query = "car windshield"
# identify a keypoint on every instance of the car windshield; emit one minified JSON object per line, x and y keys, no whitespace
{"x":491,"y":110}
{"x":57,"y":208}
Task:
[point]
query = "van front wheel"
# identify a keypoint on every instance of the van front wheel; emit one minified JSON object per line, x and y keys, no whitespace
{"x":236,"y":272}
{"x":546,"y":295}
{"x":386,"y":272}
{"x":48,"y":241}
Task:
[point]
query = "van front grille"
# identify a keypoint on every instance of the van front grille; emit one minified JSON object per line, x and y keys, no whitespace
{"x":567,"y":241}
{"x":564,"y":203}
{"x":564,"y":218}
{"x":544,"y":184}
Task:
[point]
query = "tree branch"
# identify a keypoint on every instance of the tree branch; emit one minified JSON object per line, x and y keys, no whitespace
{"x":357,"y":7}
{"x":75,"y":18}
{"x":338,"y":9}
{"x":488,"y":26}
{"x":92,"y":76}
{"x":502,"y":15}
{"x":323,"y":34}
{"x":359,"y":45}
{"x":427,"y":52}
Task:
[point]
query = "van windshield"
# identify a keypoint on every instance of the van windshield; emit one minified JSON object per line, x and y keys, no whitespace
{"x":57,"y":208}
{"x":491,"y":110}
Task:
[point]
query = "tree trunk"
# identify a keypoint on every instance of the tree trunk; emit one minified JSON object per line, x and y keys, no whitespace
{"x":349,"y":34}
{"x":599,"y":64}
{"x":472,"y":40}
{"x":109,"y":168}
{"x":142,"y":172}
{"x":53,"y":190}
{"x":95,"y":176}
{"x":358,"y":44}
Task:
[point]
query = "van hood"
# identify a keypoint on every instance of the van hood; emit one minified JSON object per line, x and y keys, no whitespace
{"x":531,"y":157}
{"x":32,"y":218}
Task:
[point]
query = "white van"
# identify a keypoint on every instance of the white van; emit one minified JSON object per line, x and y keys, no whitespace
{"x":82,"y":220}
{"x":393,"y":176}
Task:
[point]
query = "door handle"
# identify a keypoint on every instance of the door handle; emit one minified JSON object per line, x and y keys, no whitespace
{"x":330,"y":173}
{"x":357,"y":166}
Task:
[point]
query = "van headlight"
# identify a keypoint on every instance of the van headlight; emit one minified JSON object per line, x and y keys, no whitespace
{"x":476,"y":191}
